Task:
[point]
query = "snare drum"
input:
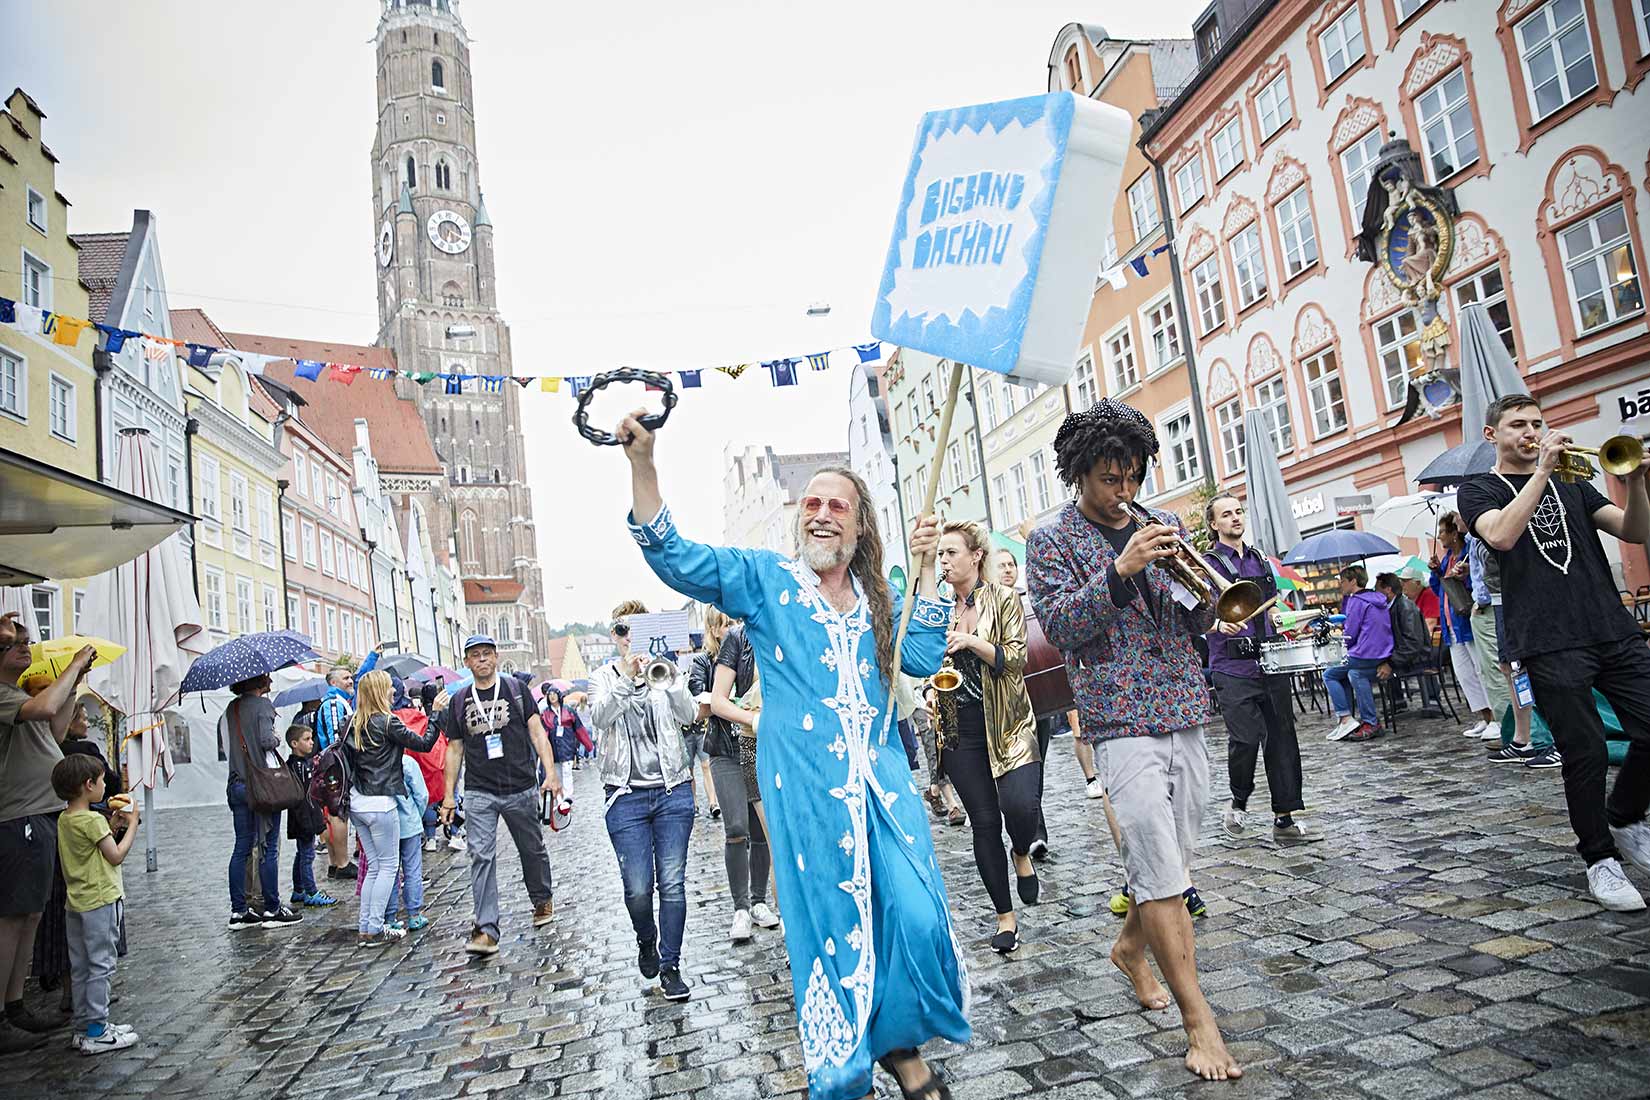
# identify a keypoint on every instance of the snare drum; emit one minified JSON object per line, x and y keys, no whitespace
{"x":1302,"y":655}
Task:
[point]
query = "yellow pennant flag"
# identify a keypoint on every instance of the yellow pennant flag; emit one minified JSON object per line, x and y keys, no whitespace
{"x":549,"y":385}
{"x":734,"y":371}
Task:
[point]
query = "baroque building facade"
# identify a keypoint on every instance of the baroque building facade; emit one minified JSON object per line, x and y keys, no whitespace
{"x":438,"y":312}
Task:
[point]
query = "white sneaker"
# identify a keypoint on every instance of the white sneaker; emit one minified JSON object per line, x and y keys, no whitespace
{"x":1347,"y":725}
{"x":741,"y":932}
{"x":113,"y":1038}
{"x":1476,"y":730}
{"x":1094,"y":788}
{"x":1492,"y":731}
{"x":432,"y":843}
{"x":1633,"y":841}
{"x":1296,"y":831}
{"x":1610,"y":888}
{"x":456,"y":843}
{"x":1236,"y":820}
{"x":764,"y":917}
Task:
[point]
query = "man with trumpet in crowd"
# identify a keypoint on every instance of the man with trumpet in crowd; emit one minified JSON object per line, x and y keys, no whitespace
{"x":1566,"y":630}
{"x":639,"y":705}
{"x":1126,"y":633}
{"x":1259,"y":716}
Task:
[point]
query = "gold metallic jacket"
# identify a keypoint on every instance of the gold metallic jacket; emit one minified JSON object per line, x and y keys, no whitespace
{"x":1010,"y":726}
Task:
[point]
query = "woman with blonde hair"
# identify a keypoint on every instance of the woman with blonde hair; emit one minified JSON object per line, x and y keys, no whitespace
{"x":991,"y":754}
{"x":377,"y":739}
{"x":727,"y":668}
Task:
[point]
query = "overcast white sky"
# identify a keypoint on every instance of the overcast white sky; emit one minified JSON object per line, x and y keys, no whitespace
{"x":671,"y":185}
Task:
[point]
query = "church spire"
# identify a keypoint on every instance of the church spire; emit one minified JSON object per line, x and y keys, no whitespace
{"x":481,"y":211}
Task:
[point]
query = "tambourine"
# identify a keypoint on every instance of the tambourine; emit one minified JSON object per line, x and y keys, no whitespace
{"x":651,"y":421}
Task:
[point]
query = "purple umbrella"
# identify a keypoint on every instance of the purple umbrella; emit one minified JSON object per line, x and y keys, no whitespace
{"x":434,"y":673}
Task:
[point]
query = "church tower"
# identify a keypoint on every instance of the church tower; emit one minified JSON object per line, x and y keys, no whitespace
{"x":438,"y":310}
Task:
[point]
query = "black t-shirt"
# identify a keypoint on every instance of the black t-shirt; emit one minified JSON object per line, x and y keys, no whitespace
{"x":1545,"y":608}
{"x":1137,"y":585}
{"x":473,"y":714}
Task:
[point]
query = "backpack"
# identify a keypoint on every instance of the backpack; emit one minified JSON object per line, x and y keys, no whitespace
{"x":329,"y":782}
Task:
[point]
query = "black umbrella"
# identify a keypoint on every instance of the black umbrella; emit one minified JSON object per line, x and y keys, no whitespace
{"x":1464,"y":460}
{"x":404,"y":664}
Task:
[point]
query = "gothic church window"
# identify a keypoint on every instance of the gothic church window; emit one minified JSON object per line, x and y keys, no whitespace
{"x":443,"y":175}
{"x":437,"y":77}
{"x":452,"y":294}
{"x":412,"y":174}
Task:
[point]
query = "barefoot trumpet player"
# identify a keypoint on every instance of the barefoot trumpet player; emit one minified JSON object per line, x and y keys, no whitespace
{"x":1126,"y":633}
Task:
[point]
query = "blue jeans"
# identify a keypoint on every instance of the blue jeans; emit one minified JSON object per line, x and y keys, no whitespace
{"x":650,"y":829}
{"x":250,"y":828}
{"x":432,"y":821}
{"x":380,"y":836}
{"x":412,"y":879}
{"x":1361,"y":672}
{"x":303,"y":868}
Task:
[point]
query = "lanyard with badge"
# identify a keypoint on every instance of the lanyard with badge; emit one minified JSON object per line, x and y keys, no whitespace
{"x":495,"y":740}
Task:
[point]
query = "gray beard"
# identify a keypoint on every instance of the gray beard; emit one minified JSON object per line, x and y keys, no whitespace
{"x":820,"y":559}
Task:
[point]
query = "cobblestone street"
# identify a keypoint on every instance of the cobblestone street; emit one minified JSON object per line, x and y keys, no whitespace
{"x":1439,"y":943}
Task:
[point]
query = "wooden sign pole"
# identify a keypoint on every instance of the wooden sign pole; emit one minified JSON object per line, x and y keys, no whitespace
{"x":920,"y":567}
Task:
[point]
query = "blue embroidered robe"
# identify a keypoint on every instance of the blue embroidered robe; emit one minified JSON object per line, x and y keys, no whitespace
{"x":875,"y":964}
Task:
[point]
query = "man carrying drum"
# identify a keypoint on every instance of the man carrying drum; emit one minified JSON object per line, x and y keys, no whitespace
{"x":1260,"y":719}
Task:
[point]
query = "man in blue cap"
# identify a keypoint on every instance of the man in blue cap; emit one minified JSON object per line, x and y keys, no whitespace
{"x":494,"y":734}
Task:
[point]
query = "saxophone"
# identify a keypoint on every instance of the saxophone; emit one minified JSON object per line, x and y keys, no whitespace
{"x":946,"y":681}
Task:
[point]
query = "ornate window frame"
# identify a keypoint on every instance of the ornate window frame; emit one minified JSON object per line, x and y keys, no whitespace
{"x":1328,"y":14}
{"x":1200,"y":247}
{"x":1220,"y":390}
{"x":1380,"y":301}
{"x":1507,"y":17}
{"x":1438,"y":56}
{"x":1219,"y":122}
{"x":1240,"y":214}
{"x":1314,"y":333}
{"x":1278,"y":68}
{"x":1288,"y":176}
{"x":1638,"y":59}
{"x":1573,"y":193}
{"x":1397,"y":24}
{"x":1191,"y":151}
{"x":1478,"y":248}
{"x":1360,"y":115}
{"x":1263,"y":364}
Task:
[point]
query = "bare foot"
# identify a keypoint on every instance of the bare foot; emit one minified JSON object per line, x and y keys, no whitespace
{"x":1147,"y":989}
{"x":1207,"y":1056}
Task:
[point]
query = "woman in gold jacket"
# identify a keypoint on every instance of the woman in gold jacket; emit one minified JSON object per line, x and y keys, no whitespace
{"x":991,"y":752}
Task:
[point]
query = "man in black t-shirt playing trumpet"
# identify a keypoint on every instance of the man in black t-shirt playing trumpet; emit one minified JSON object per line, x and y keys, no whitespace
{"x":1567,"y":630}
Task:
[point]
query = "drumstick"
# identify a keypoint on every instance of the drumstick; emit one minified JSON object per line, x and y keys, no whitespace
{"x":1259,"y":609}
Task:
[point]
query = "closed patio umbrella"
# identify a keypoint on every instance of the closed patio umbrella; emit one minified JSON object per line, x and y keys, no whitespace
{"x":147,"y":605}
{"x":1272,"y":528}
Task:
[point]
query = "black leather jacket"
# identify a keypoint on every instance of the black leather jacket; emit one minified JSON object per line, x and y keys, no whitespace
{"x":375,"y":767}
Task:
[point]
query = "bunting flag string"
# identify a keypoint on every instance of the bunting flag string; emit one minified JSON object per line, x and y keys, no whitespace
{"x":66,"y":331}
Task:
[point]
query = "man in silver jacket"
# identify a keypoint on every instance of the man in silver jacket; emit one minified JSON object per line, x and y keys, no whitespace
{"x":647,"y":781}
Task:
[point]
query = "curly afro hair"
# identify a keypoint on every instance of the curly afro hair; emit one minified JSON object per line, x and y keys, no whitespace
{"x":1106,"y":432}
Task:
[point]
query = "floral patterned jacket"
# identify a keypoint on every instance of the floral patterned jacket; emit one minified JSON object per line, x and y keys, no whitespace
{"x":1132,"y":674}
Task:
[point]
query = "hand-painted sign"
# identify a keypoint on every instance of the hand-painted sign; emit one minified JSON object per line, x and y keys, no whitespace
{"x":1000,"y":231}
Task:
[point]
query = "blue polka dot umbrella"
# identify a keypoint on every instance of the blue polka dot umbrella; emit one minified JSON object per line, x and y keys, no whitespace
{"x":248,"y":656}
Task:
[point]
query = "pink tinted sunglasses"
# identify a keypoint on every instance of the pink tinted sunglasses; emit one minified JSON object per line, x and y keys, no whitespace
{"x":837,"y":506}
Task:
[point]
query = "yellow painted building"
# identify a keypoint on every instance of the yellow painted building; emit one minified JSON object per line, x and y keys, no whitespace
{"x":47,"y":399}
{"x":234,"y":467}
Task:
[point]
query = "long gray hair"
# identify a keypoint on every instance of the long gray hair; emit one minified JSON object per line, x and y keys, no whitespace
{"x":866,"y":565}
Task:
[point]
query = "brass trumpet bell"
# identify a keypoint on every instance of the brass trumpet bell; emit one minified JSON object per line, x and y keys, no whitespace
{"x":1233,"y":601}
{"x":1619,"y":455}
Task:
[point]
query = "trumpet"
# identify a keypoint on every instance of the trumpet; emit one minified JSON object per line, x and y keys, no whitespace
{"x":660,"y":673}
{"x":1233,"y":601}
{"x":1619,"y":455}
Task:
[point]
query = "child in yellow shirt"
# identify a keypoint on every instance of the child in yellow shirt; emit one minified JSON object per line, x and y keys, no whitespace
{"x":90,"y":858}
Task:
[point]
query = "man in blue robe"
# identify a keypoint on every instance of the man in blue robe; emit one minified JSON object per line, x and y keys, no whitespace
{"x":875,"y":963}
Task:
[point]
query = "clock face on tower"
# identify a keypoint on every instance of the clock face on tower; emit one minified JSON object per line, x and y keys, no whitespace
{"x":386,"y":243}
{"x":449,"y":232}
